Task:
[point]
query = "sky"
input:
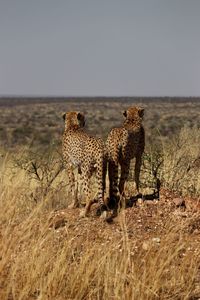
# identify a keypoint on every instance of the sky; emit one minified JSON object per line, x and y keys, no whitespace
{"x":100,"y":47}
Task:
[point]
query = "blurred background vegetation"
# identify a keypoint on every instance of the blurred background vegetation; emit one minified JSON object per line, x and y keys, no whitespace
{"x":39,"y":120}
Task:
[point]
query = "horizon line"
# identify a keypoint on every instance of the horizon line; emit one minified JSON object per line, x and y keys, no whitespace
{"x":92,"y":96}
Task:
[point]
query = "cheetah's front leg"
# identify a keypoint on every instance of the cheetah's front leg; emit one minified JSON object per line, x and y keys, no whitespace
{"x":86,"y":180}
{"x":72,"y":190}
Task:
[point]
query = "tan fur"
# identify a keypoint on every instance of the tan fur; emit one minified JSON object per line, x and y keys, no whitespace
{"x":85,"y":152}
{"x":123,"y":144}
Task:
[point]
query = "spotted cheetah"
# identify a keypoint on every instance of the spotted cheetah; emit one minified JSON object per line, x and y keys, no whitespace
{"x":85,"y":152}
{"x":123,"y":144}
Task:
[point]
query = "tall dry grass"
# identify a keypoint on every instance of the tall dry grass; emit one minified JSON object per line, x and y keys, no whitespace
{"x":38,"y":261}
{"x":181,"y":162}
{"x":175,"y":162}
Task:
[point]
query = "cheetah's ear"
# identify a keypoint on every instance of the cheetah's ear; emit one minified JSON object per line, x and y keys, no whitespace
{"x":125,"y":113}
{"x":81,"y":119}
{"x":141,"y":112}
{"x":64,"y":116}
{"x":79,"y":116}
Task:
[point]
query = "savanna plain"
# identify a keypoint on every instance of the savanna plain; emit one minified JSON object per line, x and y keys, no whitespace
{"x":150,"y":250}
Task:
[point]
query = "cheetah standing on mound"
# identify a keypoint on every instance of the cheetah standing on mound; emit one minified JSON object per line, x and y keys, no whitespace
{"x":85,"y":152}
{"x":124,"y":144}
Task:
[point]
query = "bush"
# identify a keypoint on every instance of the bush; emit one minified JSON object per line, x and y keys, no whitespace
{"x":41,"y":165}
{"x":181,"y":162}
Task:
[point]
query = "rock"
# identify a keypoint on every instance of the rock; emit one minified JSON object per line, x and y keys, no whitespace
{"x":150,"y":202}
{"x":57,"y":221}
{"x":178,"y":201}
{"x":156,"y":240}
{"x":146,"y":245}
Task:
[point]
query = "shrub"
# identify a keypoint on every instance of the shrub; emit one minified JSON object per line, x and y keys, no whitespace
{"x":181,"y":162}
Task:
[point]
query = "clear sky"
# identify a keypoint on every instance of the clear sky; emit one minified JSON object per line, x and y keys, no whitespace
{"x":100,"y":47}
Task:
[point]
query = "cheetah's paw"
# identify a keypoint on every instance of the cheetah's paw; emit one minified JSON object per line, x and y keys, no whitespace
{"x":82,"y":213}
{"x":104,"y":215}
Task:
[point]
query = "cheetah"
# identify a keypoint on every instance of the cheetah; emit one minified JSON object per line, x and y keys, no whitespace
{"x":123,"y":144}
{"x":87,"y":153}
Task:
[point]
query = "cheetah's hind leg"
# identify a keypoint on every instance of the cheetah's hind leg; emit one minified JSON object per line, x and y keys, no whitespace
{"x":113,"y":185}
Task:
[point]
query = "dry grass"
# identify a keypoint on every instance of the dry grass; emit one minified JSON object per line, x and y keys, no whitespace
{"x":40,"y":262}
{"x":48,"y":252}
{"x":181,"y":170}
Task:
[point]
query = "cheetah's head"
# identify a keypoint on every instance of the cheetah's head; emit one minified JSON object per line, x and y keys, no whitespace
{"x":74,"y":120}
{"x":134,"y":114}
